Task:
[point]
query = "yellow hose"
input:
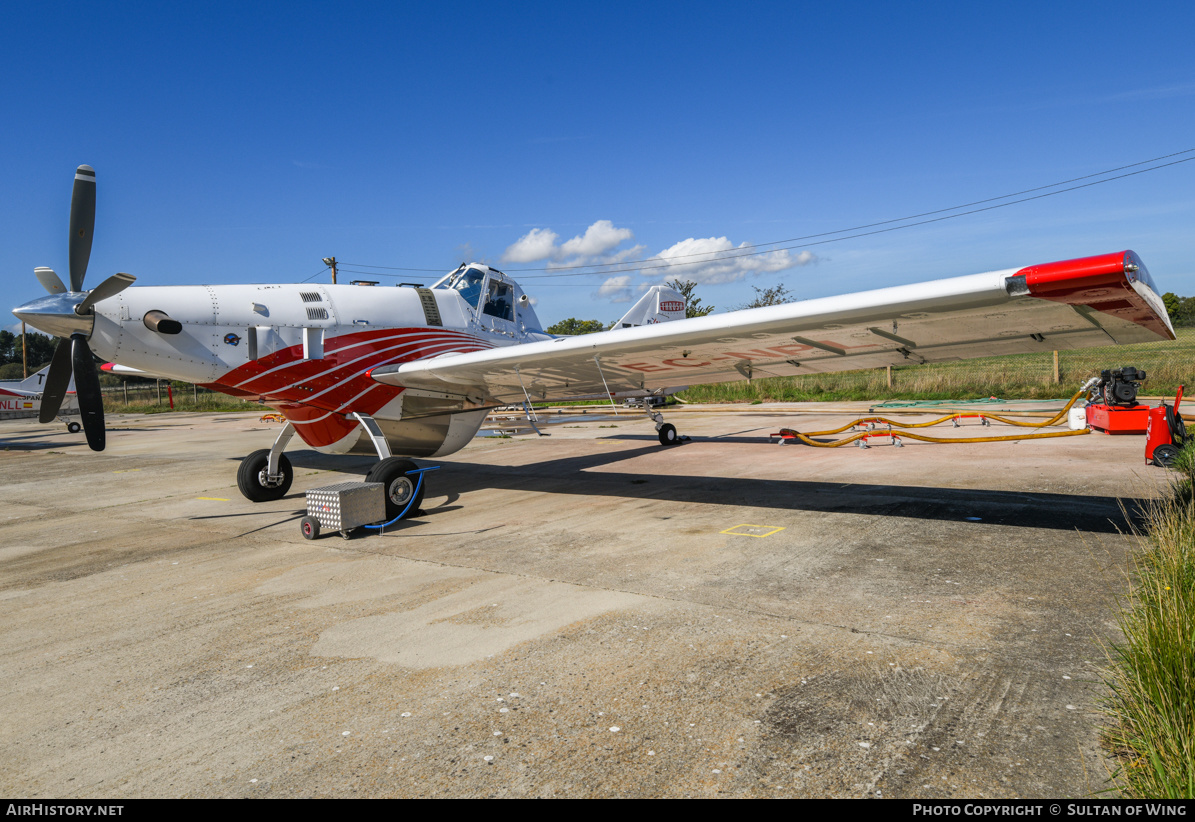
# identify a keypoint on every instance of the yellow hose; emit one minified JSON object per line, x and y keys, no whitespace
{"x":1043,"y":435}
{"x":806,"y":438}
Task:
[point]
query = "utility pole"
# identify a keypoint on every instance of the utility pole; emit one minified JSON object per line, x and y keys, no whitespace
{"x":331,"y":263}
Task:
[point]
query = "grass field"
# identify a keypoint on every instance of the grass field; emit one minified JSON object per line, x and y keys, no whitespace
{"x":1027,"y":376}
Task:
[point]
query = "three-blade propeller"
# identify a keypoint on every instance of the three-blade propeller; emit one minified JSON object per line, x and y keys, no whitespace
{"x":73,"y":356}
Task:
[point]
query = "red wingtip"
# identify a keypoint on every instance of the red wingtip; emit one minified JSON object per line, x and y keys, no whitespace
{"x":1103,"y":283}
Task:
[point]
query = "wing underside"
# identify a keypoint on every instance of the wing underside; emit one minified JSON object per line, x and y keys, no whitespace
{"x":1074,"y":304}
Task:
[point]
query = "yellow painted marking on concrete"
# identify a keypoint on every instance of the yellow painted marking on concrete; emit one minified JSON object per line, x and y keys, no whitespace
{"x":215,"y":499}
{"x":126,"y":471}
{"x":754,"y":530}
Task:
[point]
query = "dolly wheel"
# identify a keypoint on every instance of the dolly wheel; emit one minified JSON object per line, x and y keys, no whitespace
{"x":310,"y":527}
{"x":1165,"y":455}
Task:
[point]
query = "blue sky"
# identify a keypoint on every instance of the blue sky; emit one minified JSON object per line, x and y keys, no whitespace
{"x":244,"y":142}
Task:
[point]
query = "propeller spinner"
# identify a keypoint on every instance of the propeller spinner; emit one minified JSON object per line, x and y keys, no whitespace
{"x":69,"y":314}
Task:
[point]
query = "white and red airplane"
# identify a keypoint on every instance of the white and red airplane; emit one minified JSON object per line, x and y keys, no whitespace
{"x":413,"y":372}
{"x":24,"y":396}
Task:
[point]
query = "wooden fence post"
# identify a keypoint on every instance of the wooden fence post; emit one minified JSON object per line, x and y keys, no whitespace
{"x":889,"y":369}
{"x":1057,"y":376}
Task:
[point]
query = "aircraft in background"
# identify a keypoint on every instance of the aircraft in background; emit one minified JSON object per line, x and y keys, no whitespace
{"x":26,"y":396}
{"x":413,"y":371}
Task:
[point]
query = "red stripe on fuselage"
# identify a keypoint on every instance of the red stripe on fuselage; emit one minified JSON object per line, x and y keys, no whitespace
{"x":317,"y":427}
{"x":316,"y":395}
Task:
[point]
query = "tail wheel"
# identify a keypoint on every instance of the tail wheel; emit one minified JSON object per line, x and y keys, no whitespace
{"x":668,"y":435}
{"x":253,"y":481}
{"x":399,"y":486}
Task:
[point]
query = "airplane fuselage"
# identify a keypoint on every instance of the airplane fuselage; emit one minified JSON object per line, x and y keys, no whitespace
{"x":307,"y":350}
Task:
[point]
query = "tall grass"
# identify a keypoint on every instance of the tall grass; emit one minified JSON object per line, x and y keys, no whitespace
{"x":1151,"y":735}
{"x":143,"y":398}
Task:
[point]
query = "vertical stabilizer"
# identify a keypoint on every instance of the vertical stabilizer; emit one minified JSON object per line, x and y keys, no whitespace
{"x":659,"y":305}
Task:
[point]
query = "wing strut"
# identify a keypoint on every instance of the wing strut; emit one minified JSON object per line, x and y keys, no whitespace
{"x":598,"y":362}
{"x":375,"y":434}
{"x":531,"y":418}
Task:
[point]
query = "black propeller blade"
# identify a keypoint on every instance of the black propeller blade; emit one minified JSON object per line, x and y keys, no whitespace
{"x":82,"y":224}
{"x":57,"y":381}
{"x":49,"y":280}
{"x":87,"y":389}
{"x":108,"y":288}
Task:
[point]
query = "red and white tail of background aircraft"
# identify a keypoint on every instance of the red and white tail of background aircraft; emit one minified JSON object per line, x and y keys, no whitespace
{"x":413,"y":371}
{"x":24,"y":396}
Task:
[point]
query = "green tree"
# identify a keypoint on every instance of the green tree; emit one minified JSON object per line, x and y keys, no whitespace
{"x":693,"y":306}
{"x":41,"y":350}
{"x":776,"y":295}
{"x":1173,"y":303}
{"x":1185,"y":316}
{"x":572,"y":327}
{"x":8,"y":347}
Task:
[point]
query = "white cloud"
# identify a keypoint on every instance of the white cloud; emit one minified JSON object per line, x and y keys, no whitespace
{"x":591,"y":247}
{"x":616,"y":289}
{"x":708,"y":260}
{"x":536,"y":244}
{"x":714,"y":260}
{"x":599,"y":238}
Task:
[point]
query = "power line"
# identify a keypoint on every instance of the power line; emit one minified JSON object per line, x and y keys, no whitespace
{"x":728,"y":255}
{"x":922,"y":214}
{"x":314,"y":275}
{"x":757,"y":249}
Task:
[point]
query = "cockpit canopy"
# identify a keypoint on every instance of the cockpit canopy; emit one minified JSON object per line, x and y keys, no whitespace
{"x":492,"y":294}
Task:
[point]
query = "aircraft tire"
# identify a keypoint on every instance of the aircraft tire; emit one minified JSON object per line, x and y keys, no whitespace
{"x":399,"y":487}
{"x":251,"y":477}
{"x":668,"y":435}
{"x":73,"y":427}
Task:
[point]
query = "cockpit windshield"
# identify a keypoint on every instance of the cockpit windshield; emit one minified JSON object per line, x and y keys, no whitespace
{"x":499,"y":301}
{"x":468,"y":284}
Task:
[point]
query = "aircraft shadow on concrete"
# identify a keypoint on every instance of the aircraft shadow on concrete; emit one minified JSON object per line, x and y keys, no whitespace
{"x":571,"y":475}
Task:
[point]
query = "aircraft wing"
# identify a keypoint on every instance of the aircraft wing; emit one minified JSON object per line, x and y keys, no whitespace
{"x":1064,"y":305}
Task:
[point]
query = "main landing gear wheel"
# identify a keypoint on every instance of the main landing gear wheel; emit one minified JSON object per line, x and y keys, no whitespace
{"x":668,"y":435}
{"x":399,"y":486}
{"x":253,"y":482}
{"x":73,"y":427}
